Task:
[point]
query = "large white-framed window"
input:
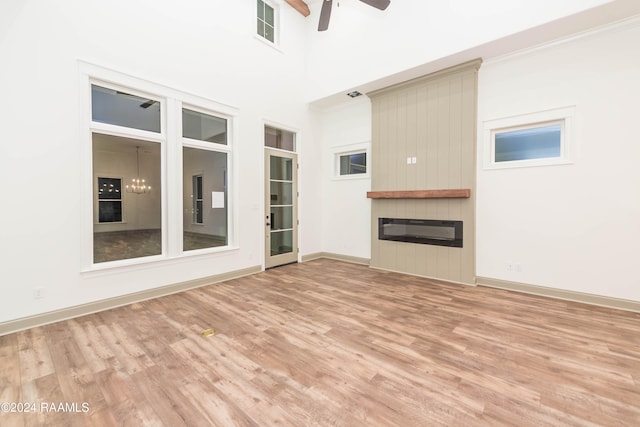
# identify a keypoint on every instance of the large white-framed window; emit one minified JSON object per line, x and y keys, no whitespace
{"x":205,"y":165}
{"x":141,"y":137}
{"x":536,"y":139}
{"x":351,"y":161}
{"x":267,"y":16}
{"x":127,"y":138}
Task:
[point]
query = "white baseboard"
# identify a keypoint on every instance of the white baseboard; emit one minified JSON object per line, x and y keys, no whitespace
{"x":94,"y":307}
{"x":599,"y":300}
{"x":339,"y":257}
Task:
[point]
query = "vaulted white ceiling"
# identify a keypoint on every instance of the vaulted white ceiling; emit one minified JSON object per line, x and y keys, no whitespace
{"x":367,"y":49}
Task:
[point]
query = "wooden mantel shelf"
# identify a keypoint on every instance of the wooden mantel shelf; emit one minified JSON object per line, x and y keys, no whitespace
{"x":454,"y":193}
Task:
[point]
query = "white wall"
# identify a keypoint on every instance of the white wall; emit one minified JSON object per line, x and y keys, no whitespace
{"x":364,"y":44}
{"x":573,"y":227}
{"x":203,"y":47}
{"x":346,"y":212}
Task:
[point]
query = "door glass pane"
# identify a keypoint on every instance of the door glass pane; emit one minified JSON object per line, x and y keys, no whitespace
{"x":198,"y":212}
{"x":137,"y":220}
{"x":281,"y":193}
{"x":197,"y":186}
{"x":205,"y":220}
{"x":281,"y":217}
{"x":123,"y":109}
{"x":203,"y":127}
{"x":281,"y":168}
{"x":281,"y":242}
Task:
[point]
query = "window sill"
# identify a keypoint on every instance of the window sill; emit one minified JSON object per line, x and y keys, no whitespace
{"x":135,"y":264}
{"x":274,"y":46}
{"x":352,"y":177}
{"x":516,"y":164}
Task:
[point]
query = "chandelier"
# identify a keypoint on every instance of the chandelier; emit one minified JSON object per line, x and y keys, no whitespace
{"x":138,"y":185}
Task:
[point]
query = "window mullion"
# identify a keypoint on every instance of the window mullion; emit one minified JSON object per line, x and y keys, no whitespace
{"x":173,"y":176}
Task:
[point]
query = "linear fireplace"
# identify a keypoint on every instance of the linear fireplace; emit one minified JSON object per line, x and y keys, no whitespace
{"x":425,"y":231}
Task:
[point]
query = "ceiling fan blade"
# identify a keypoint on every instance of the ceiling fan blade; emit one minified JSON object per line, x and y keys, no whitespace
{"x":148,"y":103}
{"x":378,"y":4}
{"x":325,"y":15}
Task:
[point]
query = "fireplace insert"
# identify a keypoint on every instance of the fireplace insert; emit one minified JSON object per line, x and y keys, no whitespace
{"x":424,"y":231}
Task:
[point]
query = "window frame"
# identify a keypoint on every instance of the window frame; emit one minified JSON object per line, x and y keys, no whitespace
{"x":171,"y":175}
{"x":226,"y":148}
{"x":351,"y":165}
{"x":562,"y":116}
{"x":120,"y":200}
{"x":276,"y":23}
{"x":359,"y":148}
{"x":279,"y":128}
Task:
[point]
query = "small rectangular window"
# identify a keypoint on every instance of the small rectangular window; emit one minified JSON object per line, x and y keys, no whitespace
{"x":539,"y":141}
{"x":109,"y":200}
{"x":203,"y":127}
{"x":266,"y":21}
{"x":353,"y":164}
{"x":278,"y":138}
{"x":119,"y":108}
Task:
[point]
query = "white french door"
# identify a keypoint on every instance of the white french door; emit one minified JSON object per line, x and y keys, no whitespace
{"x":281,"y":207}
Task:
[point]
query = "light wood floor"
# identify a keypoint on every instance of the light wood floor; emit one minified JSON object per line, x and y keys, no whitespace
{"x":327,"y":343}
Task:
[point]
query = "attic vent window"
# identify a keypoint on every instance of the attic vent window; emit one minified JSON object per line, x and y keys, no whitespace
{"x":266,"y":21}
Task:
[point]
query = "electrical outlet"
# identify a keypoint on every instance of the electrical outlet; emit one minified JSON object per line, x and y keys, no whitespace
{"x":38,"y":293}
{"x":514,"y":266}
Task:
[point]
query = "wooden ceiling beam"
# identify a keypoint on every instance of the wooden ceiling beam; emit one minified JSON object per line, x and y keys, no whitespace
{"x":300,"y":6}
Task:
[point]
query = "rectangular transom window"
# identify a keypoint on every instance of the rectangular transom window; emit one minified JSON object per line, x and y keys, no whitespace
{"x":536,"y":139}
{"x":279,"y":138}
{"x":203,"y":127}
{"x":120,"y":108}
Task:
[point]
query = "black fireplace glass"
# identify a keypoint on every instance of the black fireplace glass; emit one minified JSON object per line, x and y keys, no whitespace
{"x":423,"y":231}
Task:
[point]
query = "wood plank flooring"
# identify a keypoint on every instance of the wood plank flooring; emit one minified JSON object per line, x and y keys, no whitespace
{"x":327,"y":343}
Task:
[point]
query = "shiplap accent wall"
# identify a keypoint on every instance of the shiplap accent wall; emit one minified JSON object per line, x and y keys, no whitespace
{"x":432,"y":118}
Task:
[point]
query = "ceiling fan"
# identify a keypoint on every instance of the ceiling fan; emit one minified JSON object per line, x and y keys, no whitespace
{"x":325,"y":12}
